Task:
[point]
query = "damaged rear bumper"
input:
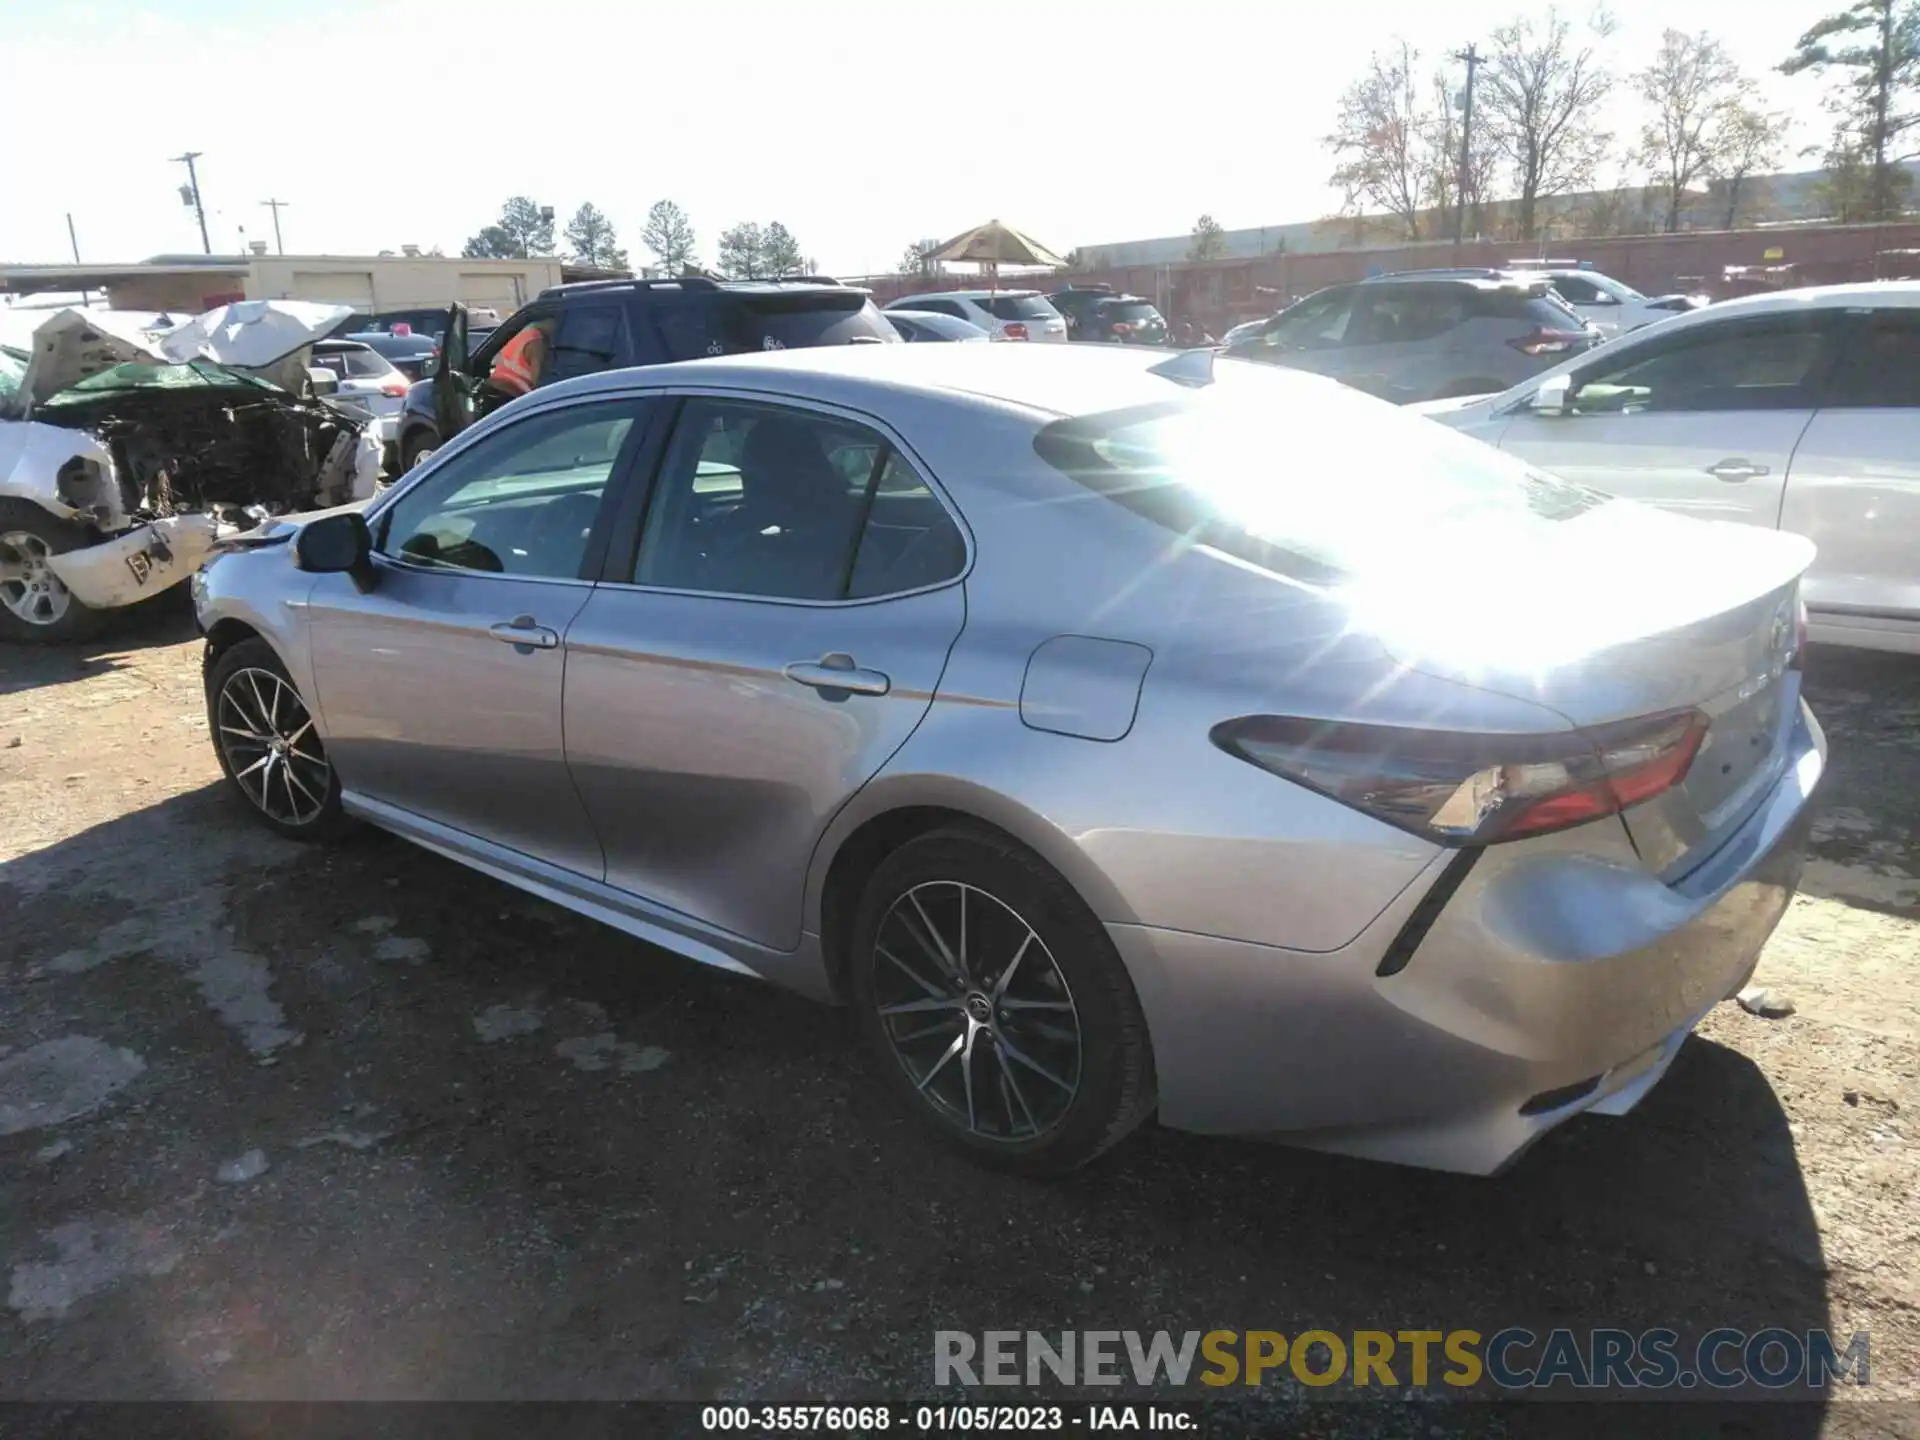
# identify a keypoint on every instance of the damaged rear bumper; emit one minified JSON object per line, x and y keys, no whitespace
{"x":139,"y":563}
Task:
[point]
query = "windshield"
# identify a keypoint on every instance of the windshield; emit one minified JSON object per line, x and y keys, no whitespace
{"x":1361,"y":488}
{"x":1132,"y":312}
{"x":1017,"y":307}
{"x":142,"y":375}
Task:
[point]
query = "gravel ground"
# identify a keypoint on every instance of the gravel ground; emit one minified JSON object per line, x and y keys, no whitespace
{"x":289,"y":1123}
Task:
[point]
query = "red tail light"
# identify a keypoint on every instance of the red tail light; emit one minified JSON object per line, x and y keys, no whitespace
{"x":395,"y":386}
{"x":1466,"y":789}
{"x":1014,"y":330}
{"x":1548,"y":342}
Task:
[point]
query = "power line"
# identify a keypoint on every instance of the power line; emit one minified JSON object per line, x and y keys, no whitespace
{"x":190,"y":192}
{"x":276,"y":206}
{"x":1471,"y":58}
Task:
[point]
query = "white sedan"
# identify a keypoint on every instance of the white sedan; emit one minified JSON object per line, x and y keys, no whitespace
{"x":1797,"y":411}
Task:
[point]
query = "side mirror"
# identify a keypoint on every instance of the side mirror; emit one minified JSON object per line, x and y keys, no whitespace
{"x":323,"y":380}
{"x":336,"y":545}
{"x":1555,"y":397}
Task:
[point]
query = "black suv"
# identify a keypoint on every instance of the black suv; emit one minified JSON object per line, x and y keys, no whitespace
{"x":1095,"y":312}
{"x":611,"y":324}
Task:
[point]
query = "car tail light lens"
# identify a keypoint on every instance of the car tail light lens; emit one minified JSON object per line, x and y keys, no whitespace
{"x":1122,"y":328}
{"x":1467,"y":789}
{"x":1014,"y":330}
{"x":1549,"y":342}
{"x":395,"y":386}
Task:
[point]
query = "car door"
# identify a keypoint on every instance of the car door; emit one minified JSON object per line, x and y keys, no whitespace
{"x":772,"y":635}
{"x":1702,"y":420}
{"x":1854,"y":485}
{"x":441,"y":685}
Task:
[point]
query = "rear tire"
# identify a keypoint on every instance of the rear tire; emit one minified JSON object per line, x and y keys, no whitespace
{"x":36,"y":608}
{"x":268,"y":748}
{"x":996,"y":1006}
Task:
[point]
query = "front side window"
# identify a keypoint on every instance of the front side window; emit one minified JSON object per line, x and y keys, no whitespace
{"x":1773,"y":363}
{"x":519,"y":502}
{"x":587,"y":342}
{"x":769,"y":501}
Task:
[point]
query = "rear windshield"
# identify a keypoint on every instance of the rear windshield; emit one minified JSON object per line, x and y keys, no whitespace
{"x":789,"y":322}
{"x":1017,"y":307}
{"x":1131,"y":312}
{"x":1363,"y":488}
{"x":1544,"y":312}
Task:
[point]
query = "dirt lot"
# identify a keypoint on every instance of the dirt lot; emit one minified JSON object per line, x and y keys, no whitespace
{"x":278,"y":1122}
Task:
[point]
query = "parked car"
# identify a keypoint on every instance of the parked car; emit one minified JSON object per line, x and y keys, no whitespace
{"x":368,"y":379}
{"x":1611,"y":306}
{"x":1797,"y":411}
{"x":1422,"y":335}
{"x":925,"y":325}
{"x":411,"y":355}
{"x":1003,"y":314}
{"x":424,"y":321}
{"x":608,"y":324}
{"x":1096,"y":313}
{"x":890,"y":675}
{"x":130,"y":442}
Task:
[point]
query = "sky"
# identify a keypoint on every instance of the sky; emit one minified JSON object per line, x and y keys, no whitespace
{"x":861,"y":126}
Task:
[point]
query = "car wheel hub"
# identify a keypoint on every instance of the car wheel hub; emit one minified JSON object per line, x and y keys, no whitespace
{"x":272,"y":751}
{"x":28,"y":587}
{"x":977,"y":1012}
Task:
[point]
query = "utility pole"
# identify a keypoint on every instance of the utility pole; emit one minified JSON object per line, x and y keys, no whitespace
{"x":274,"y":205}
{"x":73,"y":239}
{"x":190,"y":192}
{"x":1471,"y":58}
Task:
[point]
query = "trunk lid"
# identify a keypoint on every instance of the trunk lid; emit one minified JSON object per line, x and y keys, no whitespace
{"x":1628,"y":611}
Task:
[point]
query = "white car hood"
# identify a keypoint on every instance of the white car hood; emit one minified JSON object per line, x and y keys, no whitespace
{"x":71,"y":345}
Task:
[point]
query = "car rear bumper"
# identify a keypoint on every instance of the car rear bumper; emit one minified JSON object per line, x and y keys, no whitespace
{"x":1549,"y":984}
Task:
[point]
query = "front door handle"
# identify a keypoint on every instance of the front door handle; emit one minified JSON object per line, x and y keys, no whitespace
{"x":1734,"y":471}
{"x":523,"y":634}
{"x":837,"y":671}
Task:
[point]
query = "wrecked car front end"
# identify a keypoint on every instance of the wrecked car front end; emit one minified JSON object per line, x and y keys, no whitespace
{"x":126,"y":454}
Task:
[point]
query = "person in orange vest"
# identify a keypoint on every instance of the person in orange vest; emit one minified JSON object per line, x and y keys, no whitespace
{"x":521,"y":361}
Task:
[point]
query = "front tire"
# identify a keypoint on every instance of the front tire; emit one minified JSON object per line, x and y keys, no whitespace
{"x":36,"y":608}
{"x":268,"y":748}
{"x":996,"y":1005}
{"x":416,"y":448}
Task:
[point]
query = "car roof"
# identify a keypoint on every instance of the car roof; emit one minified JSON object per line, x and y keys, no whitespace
{"x":905,"y":300}
{"x":1044,"y":380}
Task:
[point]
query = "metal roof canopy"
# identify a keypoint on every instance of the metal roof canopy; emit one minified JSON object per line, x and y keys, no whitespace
{"x":45,"y":279}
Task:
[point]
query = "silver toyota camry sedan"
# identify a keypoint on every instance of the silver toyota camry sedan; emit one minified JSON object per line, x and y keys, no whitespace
{"x":1119,"y":735}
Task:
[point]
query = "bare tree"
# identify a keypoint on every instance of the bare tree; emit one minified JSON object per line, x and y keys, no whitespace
{"x":1384,"y":143}
{"x":1751,"y":141}
{"x":1690,"y":89}
{"x":1882,"y":61}
{"x":918,"y":259}
{"x":1541,"y":92}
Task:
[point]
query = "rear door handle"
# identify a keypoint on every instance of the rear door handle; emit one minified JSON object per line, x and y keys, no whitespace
{"x":1734,"y":471}
{"x":523,"y":633}
{"x":837,"y":671}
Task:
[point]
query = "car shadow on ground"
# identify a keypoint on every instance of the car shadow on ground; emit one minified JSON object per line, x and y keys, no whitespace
{"x":593,"y":1169}
{"x":166,"y":619}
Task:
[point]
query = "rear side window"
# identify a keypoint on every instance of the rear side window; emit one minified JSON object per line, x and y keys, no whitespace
{"x":1221,"y":470}
{"x":1017,"y":307}
{"x":1542,"y":312}
{"x":817,"y":317}
{"x":357,"y":364}
{"x":1402,"y":314}
{"x":1881,"y":366}
{"x":1129,"y":312}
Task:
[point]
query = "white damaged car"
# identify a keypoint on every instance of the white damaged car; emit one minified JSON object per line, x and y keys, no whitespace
{"x":129,"y":444}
